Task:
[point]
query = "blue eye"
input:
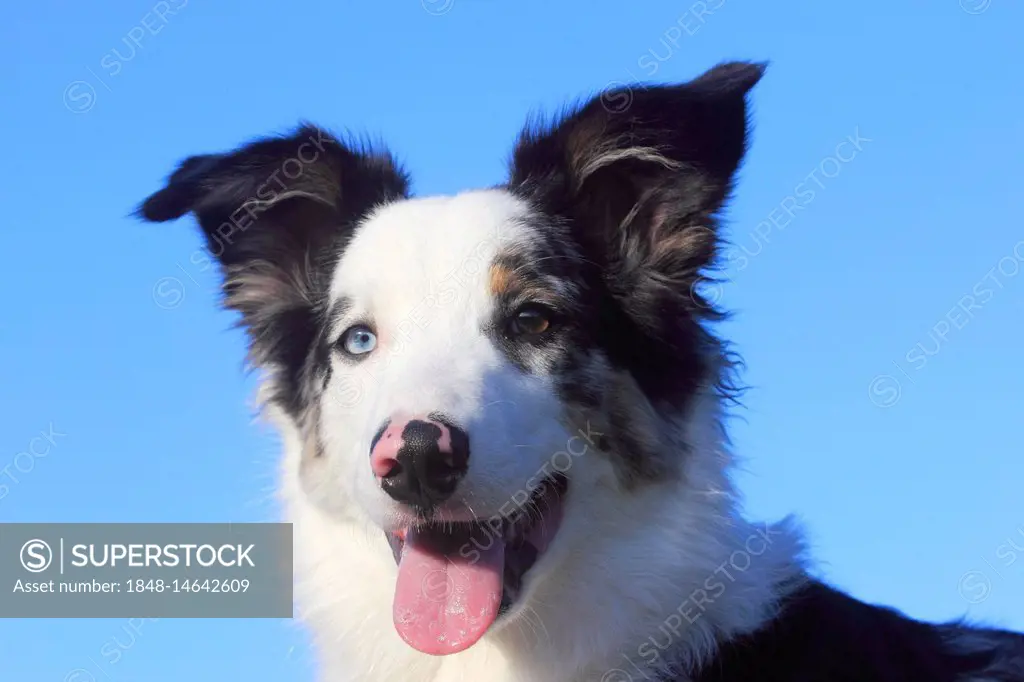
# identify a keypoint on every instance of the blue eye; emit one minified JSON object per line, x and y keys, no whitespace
{"x":358,"y":340}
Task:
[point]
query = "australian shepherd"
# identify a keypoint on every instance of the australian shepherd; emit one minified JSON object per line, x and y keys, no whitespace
{"x":502,"y":411}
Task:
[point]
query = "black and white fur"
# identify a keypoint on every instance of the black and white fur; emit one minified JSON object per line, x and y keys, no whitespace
{"x":609,"y":218}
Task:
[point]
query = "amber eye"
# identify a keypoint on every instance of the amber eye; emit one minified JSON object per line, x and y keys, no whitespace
{"x":532,"y":320}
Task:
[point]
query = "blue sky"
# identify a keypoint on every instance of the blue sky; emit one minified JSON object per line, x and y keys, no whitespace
{"x":882,"y":189}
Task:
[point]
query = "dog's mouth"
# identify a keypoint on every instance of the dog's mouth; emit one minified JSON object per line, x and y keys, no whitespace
{"x":456,"y":579}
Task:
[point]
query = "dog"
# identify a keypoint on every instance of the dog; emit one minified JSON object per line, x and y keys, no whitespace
{"x":502,"y":411}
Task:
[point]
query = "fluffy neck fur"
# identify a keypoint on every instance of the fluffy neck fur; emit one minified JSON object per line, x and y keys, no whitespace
{"x":664,"y":574}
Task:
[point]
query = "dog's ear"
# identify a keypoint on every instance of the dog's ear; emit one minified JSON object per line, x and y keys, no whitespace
{"x":276,"y":213}
{"x":640,"y":175}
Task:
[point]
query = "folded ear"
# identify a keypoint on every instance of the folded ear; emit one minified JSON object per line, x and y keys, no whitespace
{"x":276,"y":213}
{"x":640,"y":185}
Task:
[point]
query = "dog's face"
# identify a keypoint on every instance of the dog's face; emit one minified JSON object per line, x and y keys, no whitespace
{"x":466,"y":370}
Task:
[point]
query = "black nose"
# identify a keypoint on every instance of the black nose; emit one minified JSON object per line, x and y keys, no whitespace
{"x":420,"y":461}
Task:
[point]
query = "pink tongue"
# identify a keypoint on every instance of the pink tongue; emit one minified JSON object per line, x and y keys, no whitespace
{"x":446,"y":598}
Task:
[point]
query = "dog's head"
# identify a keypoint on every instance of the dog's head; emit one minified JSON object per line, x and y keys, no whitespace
{"x":465,"y":370}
